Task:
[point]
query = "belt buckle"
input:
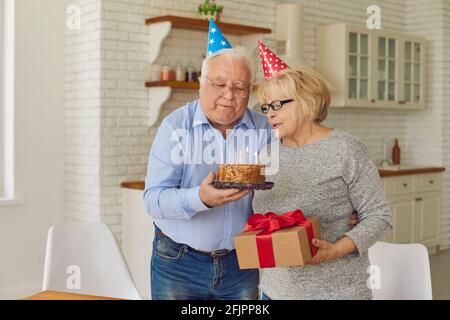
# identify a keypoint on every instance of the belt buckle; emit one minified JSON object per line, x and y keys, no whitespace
{"x":219,"y":253}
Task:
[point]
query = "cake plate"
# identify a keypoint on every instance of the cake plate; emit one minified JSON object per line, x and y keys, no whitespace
{"x":242,"y":186}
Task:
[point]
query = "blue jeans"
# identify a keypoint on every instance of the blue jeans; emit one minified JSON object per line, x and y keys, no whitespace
{"x":180,"y":273}
{"x":264,"y":296}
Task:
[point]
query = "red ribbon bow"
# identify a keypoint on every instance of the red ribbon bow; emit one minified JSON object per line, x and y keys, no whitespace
{"x":270,"y":222}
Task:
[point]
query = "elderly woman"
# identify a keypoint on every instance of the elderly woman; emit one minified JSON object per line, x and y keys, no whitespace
{"x":326,"y":173}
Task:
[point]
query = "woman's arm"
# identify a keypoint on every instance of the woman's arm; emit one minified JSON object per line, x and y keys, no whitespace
{"x":330,"y":251}
{"x":367,"y":198}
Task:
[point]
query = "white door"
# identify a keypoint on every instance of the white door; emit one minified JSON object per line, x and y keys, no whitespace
{"x":403,"y":218}
{"x":427,"y":213}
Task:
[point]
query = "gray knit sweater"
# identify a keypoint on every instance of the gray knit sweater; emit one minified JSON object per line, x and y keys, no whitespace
{"x":329,"y":179}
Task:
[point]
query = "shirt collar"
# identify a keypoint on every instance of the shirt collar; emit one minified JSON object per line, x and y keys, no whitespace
{"x":247,"y":119}
{"x":200,"y":118}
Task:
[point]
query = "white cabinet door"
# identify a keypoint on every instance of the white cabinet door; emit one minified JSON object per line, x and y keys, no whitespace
{"x":403,"y":208}
{"x":427,"y":218}
{"x":386,"y":71}
{"x":358,"y":67}
{"x":415,"y":203}
{"x":413,"y":72}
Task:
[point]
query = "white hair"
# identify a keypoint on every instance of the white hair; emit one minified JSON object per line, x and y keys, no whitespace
{"x":235,"y":53}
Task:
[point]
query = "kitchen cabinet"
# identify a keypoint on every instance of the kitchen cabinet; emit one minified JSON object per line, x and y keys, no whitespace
{"x":402,"y":209}
{"x":426,"y":214}
{"x":415,"y":201}
{"x":137,"y":237}
{"x":372,"y":68}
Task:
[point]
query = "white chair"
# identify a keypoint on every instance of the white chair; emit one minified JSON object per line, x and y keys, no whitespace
{"x":403,"y":270}
{"x":85,"y":259}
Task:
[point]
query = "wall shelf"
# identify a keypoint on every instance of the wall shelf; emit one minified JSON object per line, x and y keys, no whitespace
{"x":159,"y":30}
{"x":203,"y":25}
{"x":173,"y":84}
{"x":160,"y":92}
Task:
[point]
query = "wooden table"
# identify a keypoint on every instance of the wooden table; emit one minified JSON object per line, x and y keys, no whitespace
{"x":54,"y":295}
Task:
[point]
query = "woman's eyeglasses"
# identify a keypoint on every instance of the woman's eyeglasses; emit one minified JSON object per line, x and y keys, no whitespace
{"x":275,"y":105}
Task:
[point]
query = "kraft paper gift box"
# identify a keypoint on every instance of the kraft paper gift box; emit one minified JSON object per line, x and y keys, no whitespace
{"x":277,"y":240}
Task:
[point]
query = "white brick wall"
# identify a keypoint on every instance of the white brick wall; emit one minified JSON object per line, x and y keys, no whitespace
{"x":83,"y":114}
{"x":107,"y":137}
{"x":446,"y":124}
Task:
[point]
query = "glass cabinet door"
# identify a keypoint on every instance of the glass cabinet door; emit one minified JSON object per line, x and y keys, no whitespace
{"x":412,"y":71}
{"x":358,"y":66}
{"x":387,"y":73}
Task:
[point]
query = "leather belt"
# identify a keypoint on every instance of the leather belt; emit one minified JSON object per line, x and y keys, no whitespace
{"x":214,"y":254}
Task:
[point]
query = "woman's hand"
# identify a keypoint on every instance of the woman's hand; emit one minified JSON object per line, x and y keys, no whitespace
{"x":330,"y":251}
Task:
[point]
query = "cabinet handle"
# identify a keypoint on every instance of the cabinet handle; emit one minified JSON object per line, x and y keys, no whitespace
{"x":419,"y":199}
{"x":405,"y":185}
{"x":402,"y":102}
{"x":373,"y":100}
{"x":431,"y":181}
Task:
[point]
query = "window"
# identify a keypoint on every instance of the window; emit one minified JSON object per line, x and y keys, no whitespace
{"x":7,"y":99}
{"x":1,"y":98}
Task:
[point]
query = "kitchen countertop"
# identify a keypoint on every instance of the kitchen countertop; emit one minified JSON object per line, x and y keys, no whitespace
{"x":138,"y":185}
{"x":403,"y":171}
{"x":384,"y":172}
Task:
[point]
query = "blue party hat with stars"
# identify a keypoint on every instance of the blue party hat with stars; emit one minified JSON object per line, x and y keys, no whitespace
{"x":216,"y":39}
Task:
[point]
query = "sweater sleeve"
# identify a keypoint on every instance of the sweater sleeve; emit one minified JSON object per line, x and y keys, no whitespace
{"x":367,"y":197}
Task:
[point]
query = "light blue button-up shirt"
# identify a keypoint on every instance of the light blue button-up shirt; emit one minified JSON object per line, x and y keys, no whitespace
{"x":180,"y":158}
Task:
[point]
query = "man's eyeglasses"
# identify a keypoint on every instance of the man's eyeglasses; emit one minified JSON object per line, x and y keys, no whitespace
{"x":240,"y":91}
{"x":275,"y":105}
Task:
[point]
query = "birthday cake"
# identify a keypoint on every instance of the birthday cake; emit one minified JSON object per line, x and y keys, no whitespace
{"x":241,"y":173}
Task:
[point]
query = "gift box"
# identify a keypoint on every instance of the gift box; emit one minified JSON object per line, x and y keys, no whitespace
{"x":271,"y":240}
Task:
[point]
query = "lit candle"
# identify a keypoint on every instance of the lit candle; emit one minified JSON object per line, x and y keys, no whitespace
{"x":222,"y":154}
{"x":247,"y":160}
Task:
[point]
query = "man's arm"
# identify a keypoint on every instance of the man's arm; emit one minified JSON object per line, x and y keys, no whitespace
{"x":163,"y":197}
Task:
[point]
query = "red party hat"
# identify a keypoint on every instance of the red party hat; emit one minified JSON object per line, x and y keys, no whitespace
{"x":271,"y":63}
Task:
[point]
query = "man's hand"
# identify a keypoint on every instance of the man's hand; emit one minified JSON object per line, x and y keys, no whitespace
{"x":354,"y":220}
{"x":213,"y":197}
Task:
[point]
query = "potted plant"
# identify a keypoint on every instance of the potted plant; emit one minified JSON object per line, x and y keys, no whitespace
{"x":210,"y":9}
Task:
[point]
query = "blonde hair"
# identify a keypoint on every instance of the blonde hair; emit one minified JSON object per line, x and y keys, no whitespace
{"x":303,"y":85}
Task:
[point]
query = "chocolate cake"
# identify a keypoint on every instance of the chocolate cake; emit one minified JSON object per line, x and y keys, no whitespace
{"x":241,"y":173}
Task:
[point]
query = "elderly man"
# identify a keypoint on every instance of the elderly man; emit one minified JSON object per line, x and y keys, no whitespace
{"x":193,"y":250}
